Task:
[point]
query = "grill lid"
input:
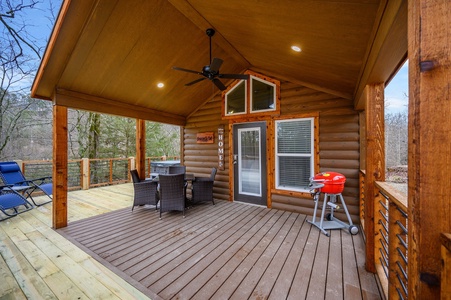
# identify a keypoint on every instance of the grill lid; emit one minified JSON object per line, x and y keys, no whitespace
{"x":330,"y":178}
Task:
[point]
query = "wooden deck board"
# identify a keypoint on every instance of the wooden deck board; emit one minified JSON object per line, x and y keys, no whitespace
{"x":318,"y":283}
{"x":226,"y":251}
{"x":351,"y":281}
{"x":282,"y":286}
{"x":212,"y":277}
{"x":201,"y":256}
{"x":334,"y":287}
{"x":10,"y":288}
{"x":302,"y":277}
{"x":31,"y":284}
{"x":274,"y":270}
{"x":248,"y":285}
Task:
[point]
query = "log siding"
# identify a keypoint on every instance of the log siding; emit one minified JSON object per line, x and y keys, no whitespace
{"x":339,"y":144}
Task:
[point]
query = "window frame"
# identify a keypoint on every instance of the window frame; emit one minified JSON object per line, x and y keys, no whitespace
{"x":314,"y":163}
{"x":248,"y":113}
{"x":251,"y":95}
{"x":235,"y":86}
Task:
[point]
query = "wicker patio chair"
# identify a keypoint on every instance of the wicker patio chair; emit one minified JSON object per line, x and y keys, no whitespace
{"x":145,"y":191}
{"x":172,"y":193}
{"x":177,"y":170}
{"x":202,"y":189}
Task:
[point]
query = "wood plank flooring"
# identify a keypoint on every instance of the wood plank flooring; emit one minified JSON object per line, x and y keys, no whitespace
{"x":38,"y":263}
{"x":226,"y":251}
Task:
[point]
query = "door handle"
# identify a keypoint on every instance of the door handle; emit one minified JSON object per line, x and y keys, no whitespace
{"x":235,"y":159}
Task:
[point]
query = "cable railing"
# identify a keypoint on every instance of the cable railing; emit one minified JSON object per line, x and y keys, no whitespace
{"x":88,"y":173}
{"x":390,"y":237}
{"x":393,"y":220}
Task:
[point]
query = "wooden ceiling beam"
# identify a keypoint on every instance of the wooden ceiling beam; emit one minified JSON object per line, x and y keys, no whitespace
{"x":304,"y":83}
{"x":389,"y":15}
{"x":82,"y":101}
{"x":191,"y":14}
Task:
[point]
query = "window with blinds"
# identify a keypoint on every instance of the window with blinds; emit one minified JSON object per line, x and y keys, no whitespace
{"x":294,"y":154}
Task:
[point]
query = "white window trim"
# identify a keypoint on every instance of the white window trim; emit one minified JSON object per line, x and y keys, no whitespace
{"x":312,"y":154}
{"x":251,"y":95}
{"x":245,"y":100}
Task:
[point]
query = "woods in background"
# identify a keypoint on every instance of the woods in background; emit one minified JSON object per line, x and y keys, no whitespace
{"x":26,"y":123}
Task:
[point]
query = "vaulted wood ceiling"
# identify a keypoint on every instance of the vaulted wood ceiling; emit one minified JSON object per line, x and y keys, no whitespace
{"x":109,"y":55}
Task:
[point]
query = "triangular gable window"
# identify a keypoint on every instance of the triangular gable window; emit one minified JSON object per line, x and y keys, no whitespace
{"x":257,"y":96}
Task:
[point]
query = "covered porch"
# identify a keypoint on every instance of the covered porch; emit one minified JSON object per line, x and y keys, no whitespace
{"x":108,"y":56}
{"x":263,"y":253}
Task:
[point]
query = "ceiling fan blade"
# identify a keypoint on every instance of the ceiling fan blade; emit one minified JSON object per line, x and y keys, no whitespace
{"x":195,"y":81}
{"x":219,"y":84}
{"x":234,"y":76}
{"x":186,"y":70}
{"x":216,"y":64}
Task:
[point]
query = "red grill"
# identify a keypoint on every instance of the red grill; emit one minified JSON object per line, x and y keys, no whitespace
{"x":334,"y":182}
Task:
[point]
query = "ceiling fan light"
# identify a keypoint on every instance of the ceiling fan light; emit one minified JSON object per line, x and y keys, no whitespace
{"x":296,"y":48}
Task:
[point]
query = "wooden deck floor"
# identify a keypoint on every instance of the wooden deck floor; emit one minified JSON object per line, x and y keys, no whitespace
{"x":226,"y":251}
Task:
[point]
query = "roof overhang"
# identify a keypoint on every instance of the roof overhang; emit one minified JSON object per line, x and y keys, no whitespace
{"x":108,"y":55}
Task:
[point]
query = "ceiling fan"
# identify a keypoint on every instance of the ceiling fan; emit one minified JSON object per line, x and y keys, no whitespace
{"x":211,"y":71}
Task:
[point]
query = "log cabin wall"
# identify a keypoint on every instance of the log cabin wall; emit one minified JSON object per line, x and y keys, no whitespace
{"x":338,"y":144}
{"x":201,"y":158}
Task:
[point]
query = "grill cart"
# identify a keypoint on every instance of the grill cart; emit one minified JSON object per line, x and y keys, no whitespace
{"x":331,"y":184}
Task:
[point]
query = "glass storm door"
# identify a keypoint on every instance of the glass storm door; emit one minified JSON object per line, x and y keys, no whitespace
{"x":249,"y":159}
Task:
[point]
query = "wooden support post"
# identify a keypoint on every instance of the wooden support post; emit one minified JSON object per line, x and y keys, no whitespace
{"x":429,"y":201}
{"x":374,"y":163}
{"x":141,"y":148}
{"x":85,"y":173}
{"x":182,"y":145}
{"x":60,"y":139}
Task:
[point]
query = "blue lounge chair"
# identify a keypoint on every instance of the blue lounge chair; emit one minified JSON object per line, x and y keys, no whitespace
{"x":12,"y":175}
{"x":11,"y":203}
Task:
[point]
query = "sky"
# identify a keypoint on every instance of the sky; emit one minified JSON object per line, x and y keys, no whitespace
{"x":396,"y":93}
{"x":38,"y":26}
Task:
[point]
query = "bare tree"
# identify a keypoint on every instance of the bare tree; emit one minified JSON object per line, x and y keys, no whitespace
{"x":25,"y":123}
{"x":20,"y":53}
{"x":396,"y":139}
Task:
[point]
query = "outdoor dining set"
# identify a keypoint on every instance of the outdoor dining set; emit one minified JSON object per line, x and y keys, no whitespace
{"x":174,"y":191}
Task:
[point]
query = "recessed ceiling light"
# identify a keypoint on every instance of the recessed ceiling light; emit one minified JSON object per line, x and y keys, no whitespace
{"x":160,"y":85}
{"x":296,"y":48}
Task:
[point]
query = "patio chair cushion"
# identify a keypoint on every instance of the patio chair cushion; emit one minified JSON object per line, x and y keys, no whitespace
{"x":11,"y":174}
{"x":7,"y":168}
{"x":11,"y":202}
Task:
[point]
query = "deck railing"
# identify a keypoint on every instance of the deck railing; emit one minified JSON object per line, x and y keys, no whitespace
{"x":87,"y":173}
{"x":391,"y":227}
